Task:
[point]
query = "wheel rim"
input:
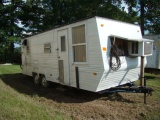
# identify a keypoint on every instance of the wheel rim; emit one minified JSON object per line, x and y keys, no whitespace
{"x":36,"y":79}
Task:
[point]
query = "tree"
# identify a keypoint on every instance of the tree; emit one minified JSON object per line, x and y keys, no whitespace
{"x":58,"y":12}
{"x":9,"y":31}
{"x":147,"y":13}
{"x":152,"y":14}
{"x":40,"y":15}
{"x":32,"y":14}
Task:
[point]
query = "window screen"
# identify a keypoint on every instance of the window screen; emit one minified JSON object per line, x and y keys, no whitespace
{"x":79,"y":53}
{"x":79,"y":43}
{"x":78,"y":34}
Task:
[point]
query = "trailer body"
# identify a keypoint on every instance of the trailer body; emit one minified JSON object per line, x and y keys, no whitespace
{"x":90,"y":46}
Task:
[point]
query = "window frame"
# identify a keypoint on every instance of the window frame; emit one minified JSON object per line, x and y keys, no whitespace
{"x":47,"y":47}
{"x":78,"y":44}
{"x":135,"y":48}
{"x":120,"y":44}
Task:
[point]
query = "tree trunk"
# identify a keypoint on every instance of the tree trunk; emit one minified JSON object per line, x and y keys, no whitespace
{"x":142,"y":16}
{"x":11,"y":49}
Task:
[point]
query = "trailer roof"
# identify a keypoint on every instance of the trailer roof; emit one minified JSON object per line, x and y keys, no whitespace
{"x":58,"y":26}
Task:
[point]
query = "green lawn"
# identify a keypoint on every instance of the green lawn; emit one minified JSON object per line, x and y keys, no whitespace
{"x":154,"y":82}
{"x":16,"y":105}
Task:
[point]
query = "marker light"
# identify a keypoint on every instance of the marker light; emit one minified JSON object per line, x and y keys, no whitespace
{"x":94,"y":74}
{"x":104,"y":49}
{"x":102,"y":25}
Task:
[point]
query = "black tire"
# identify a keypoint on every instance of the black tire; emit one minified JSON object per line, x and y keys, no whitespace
{"x":45,"y":83}
{"x":36,"y":79}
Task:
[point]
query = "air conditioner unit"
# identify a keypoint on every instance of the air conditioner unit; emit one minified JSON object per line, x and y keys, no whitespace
{"x":140,"y":48}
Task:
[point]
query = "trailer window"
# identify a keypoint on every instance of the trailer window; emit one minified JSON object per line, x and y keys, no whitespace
{"x":79,"y":43}
{"x":120,"y":46}
{"x":134,"y":47}
{"x":47,"y":48}
{"x":63,"y":44}
{"x":79,"y":53}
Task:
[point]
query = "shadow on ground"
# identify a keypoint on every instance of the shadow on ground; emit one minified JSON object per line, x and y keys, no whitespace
{"x":24,"y":84}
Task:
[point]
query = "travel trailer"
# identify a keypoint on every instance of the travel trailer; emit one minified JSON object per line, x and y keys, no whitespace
{"x":94,"y":54}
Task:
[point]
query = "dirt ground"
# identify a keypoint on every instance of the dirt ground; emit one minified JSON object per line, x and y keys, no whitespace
{"x":84,"y":105}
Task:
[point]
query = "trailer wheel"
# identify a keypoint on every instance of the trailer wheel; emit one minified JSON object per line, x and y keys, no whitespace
{"x":36,"y":79}
{"x":44,"y":82}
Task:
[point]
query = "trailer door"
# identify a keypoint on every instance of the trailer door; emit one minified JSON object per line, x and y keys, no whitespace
{"x":63,"y":62}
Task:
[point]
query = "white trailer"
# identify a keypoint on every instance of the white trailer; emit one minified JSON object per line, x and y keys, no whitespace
{"x":93,"y":54}
{"x":153,"y":62}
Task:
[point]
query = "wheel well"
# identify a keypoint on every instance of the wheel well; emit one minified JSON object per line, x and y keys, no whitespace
{"x":40,"y":75}
{"x":34,"y":73}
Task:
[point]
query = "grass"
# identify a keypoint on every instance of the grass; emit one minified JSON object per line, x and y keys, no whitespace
{"x":21,"y":99}
{"x":154,"y":82}
{"x":16,"y":105}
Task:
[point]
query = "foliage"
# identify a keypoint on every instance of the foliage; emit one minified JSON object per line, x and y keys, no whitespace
{"x":39,"y":15}
{"x":153,"y":16}
{"x":10,"y":32}
{"x":65,"y":11}
{"x":147,"y":13}
{"x":6,"y":56}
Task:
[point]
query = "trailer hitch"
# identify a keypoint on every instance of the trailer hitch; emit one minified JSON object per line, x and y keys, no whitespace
{"x":146,"y":90}
{"x":133,"y":89}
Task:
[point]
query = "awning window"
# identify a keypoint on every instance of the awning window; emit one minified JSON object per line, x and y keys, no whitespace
{"x":132,"y":39}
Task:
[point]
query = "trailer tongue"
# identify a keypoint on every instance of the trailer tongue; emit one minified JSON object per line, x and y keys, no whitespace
{"x":130,"y":87}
